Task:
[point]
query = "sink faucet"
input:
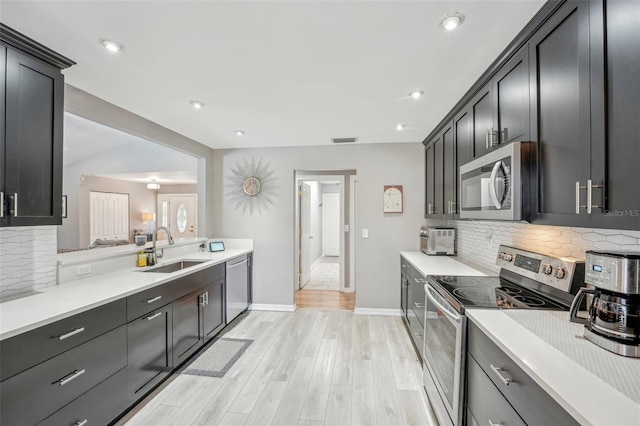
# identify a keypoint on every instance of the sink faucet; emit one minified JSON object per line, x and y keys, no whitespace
{"x":155,"y":238}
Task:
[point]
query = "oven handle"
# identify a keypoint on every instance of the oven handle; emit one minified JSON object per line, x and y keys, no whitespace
{"x":444,"y":310}
{"x":492,"y":185}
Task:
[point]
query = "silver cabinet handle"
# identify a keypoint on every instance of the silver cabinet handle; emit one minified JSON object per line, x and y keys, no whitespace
{"x":81,"y":422}
{"x":15,"y":204}
{"x":503,"y":135}
{"x":202,"y":303}
{"x":419,"y":305}
{"x":429,"y":211}
{"x":493,"y":424}
{"x":503,"y":379}
{"x":207,"y":296}
{"x":71,"y":333}
{"x":577,"y":197}
{"x":1,"y":204}
{"x":70,"y":377}
{"x":589,"y":196}
{"x":154,"y":299}
{"x":418,"y":335}
{"x":486,"y":139}
{"x":156,"y":315}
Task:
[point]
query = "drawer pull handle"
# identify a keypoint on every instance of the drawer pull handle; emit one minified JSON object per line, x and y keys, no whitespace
{"x":81,"y":423}
{"x":491,"y":423}
{"x":156,"y":315}
{"x":503,"y":379}
{"x":418,"y":335}
{"x":70,"y":377}
{"x":154,"y":299}
{"x":419,"y":305}
{"x":71,"y":333}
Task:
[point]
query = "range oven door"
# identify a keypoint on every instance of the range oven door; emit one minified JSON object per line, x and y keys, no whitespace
{"x":444,"y":355}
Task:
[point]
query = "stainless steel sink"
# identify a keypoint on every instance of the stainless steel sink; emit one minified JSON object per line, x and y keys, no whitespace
{"x":175,"y":266}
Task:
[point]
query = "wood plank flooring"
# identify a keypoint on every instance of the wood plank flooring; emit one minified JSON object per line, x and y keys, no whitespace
{"x":325,"y":299}
{"x":303,"y":368}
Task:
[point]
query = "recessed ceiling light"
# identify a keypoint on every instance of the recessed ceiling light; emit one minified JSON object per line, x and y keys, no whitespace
{"x":112,"y":46}
{"x":239,"y":132}
{"x":400,"y":127}
{"x":452,"y":21}
{"x":416,"y":94}
{"x":197,"y":104}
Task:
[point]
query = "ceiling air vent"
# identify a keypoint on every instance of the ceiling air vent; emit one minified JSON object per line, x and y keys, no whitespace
{"x":344,"y":140}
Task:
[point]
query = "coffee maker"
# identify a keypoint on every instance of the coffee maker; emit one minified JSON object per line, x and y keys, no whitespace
{"x":613,"y":320}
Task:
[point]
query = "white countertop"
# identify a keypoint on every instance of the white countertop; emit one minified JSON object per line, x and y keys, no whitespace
{"x":442,"y":265}
{"x":595,"y":386}
{"x":55,"y":303}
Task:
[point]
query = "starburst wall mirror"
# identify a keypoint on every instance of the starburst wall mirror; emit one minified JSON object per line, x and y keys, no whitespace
{"x":251,"y":186}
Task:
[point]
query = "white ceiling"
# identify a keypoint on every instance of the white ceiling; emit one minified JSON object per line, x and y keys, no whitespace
{"x":286,"y":72}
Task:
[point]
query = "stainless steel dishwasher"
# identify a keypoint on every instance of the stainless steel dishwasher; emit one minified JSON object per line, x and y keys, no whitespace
{"x":237,"y":289}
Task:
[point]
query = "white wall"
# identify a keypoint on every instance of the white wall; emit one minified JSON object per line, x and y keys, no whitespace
{"x":377,"y":259}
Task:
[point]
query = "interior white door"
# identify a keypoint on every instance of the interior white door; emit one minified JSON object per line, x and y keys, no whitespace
{"x":183,"y":215}
{"x":305,"y":234}
{"x":331,"y":224}
{"x":108,"y":216}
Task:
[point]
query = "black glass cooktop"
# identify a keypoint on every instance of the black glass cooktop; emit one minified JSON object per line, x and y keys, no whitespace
{"x":490,"y":292}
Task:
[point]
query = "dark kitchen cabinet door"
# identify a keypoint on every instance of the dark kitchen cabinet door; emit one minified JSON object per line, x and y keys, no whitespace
{"x":511,"y":99}
{"x":3,"y":69}
{"x":463,"y":145}
{"x":560,"y":115}
{"x":187,"y":327}
{"x":149,"y":347}
{"x":213,"y":309}
{"x":32,"y":160}
{"x":449,"y":170}
{"x":616,"y":148}
{"x":482,"y":129}
{"x":429,"y":180}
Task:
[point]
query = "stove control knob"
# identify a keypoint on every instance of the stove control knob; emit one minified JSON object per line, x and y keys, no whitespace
{"x":547,"y":269}
{"x":508,"y":257}
{"x":560,"y":272}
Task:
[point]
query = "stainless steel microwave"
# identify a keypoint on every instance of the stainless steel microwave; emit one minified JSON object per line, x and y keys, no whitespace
{"x":496,"y":185}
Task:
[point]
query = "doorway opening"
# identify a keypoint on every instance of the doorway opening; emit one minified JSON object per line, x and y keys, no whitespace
{"x":324,"y":267}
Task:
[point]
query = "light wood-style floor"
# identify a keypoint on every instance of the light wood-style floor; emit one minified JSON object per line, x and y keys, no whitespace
{"x":325,"y":299}
{"x":303,"y":368}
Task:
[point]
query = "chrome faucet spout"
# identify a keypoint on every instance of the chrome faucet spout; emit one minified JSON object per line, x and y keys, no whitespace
{"x":155,"y":238}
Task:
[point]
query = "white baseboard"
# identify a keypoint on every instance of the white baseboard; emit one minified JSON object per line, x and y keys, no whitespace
{"x":275,"y":308}
{"x":373,"y":311}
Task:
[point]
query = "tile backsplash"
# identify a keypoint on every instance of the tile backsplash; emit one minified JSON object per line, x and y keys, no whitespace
{"x":27,"y":259}
{"x":478,"y":241}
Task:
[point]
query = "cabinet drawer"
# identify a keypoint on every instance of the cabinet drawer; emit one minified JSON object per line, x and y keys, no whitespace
{"x":29,"y":349}
{"x":485,"y":401}
{"x":36,"y":393}
{"x":531,"y":402}
{"x":149,"y":300}
{"x":100,"y":406}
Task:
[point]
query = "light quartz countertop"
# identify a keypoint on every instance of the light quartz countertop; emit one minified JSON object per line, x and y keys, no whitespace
{"x":443,"y":265}
{"x":595,"y":386}
{"x":61,"y":301}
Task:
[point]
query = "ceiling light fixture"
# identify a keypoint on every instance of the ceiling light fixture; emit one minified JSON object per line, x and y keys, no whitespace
{"x":239,"y":132}
{"x":196,"y":104}
{"x":153,"y":185}
{"x":112,"y":46}
{"x":416,"y":94}
{"x":400,"y":127}
{"x":451,"y":21}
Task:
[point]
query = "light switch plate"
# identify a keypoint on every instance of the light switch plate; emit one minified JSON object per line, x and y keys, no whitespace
{"x":365,"y":233}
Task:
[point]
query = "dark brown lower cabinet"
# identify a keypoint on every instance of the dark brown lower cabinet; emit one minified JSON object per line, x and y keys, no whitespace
{"x":150,"y":350}
{"x":213,"y":309}
{"x":187,"y":329}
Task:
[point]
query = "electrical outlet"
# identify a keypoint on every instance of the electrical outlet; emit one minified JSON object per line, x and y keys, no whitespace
{"x":83,"y":269}
{"x":365,"y":233}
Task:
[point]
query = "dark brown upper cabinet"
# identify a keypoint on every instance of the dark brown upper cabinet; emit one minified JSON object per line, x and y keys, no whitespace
{"x":560,"y":115}
{"x":615,"y":114}
{"x":32,"y":100}
{"x":441,"y":194}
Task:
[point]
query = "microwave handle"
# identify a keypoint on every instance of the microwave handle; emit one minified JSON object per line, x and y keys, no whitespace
{"x":492,"y":185}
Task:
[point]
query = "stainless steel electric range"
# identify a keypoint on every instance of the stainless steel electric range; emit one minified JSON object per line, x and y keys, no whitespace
{"x":527,"y":280}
